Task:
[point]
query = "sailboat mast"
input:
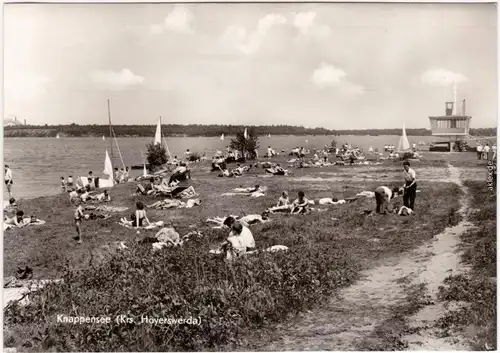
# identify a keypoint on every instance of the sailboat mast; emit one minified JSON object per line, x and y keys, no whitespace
{"x":110,"y":133}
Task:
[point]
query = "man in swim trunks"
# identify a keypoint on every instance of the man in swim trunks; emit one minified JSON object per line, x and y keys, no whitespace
{"x":79,"y":216}
{"x":8,"y":180}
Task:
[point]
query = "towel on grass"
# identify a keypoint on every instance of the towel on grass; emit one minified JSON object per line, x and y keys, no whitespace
{"x":330,"y":201}
{"x":169,"y":203}
{"x":129,"y":224}
{"x":368,"y":194}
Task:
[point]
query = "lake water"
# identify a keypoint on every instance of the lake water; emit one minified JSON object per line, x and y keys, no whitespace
{"x":38,"y":163}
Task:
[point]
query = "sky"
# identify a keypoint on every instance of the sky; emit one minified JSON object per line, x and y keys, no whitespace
{"x":338,"y":66}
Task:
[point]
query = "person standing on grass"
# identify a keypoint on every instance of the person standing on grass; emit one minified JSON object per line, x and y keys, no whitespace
{"x":486,"y":150}
{"x":78,"y":221}
{"x":70,"y":182}
{"x":8,"y":180}
{"x":410,"y":188}
{"x":479,"y":150}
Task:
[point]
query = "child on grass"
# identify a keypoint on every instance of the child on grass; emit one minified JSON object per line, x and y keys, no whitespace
{"x":299,"y":206}
{"x":79,"y":216}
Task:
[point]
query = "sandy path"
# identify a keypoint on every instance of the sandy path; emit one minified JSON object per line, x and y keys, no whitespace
{"x":343,"y":322}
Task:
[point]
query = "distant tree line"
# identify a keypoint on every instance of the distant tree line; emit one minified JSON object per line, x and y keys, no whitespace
{"x":75,"y":130}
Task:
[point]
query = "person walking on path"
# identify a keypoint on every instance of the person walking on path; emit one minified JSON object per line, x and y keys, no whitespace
{"x":8,"y":180}
{"x":410,"y":188}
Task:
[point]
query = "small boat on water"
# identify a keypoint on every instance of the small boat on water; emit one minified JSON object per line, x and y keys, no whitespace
{"x":222,"y":137}
{"x":57,"y":136}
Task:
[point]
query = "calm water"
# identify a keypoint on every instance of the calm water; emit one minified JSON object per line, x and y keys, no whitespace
{"x":38,"y":163}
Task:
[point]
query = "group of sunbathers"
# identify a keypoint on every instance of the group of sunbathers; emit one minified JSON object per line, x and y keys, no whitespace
{"x":299,"y":206}
{"x":236,"y":172}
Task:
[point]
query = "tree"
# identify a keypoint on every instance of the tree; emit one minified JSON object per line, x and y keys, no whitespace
{"x":245,"y":145}
{"x":156,"y":155}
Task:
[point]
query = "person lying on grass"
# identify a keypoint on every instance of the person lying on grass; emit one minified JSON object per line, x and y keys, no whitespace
{"x":249,"y":190}
{"x":383,"y":197}
{"x":101,"y":197}
{"x":239,"y":242}
{"x":330,"y":201}
{"x":300,"y":205}
{"x":276,"y":170}
{"x":238,"y":171}
{"x":17,"y":220}
{"x":225,"y":173}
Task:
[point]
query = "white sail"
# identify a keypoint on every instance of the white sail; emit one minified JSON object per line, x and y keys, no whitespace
{"x":57,"y":136}
{"x":158,"y":133}
{"x":269,"y":136}
{"x":222,"y":137}
{"x":403,"y":144}
{"x":108,"y":167}
{"x":245,"y":134}
{"x":103,"y":138}
{"x":144,"y":171}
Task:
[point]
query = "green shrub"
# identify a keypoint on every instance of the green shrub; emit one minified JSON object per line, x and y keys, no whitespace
{"x":156,"y":155}
{"x":245,"y":145}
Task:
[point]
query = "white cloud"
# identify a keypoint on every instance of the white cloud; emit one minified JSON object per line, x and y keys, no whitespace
{"x":305,"y":22}
{"x":441,"y":77}
{"x":249,"y":42}
{"x":179,"y":20}
{"x":327,"y":75}
{"x":116,"y":79}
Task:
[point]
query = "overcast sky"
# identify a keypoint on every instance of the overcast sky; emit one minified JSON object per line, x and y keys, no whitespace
{"x":337,"y":66}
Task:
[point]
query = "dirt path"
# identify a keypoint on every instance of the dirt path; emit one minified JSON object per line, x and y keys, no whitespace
{"x":344,"y":322}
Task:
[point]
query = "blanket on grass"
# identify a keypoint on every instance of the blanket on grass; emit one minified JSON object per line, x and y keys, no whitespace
{"x":169,"y":203}
{"x":129,"y":224}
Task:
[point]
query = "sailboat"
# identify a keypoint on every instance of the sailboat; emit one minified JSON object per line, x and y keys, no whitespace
{"x":269,"y":136}
{"x":159,"y":137}
{"x":108,"y":170}
{"x":103,"y":138}
{"x":222,"y":137}
{"x":57,"y":136}
{"x":403,"y":144}
{"x":245,"y":134}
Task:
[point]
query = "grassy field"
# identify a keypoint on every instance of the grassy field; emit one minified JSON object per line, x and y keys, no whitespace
{"x":327,"y":252}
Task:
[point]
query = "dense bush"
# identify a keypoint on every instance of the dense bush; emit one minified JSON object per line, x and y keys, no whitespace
{"x":156,"y":155}
{"x":230,"y":299}
{"x":194,"y":157}
{"x":245,"y":145}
